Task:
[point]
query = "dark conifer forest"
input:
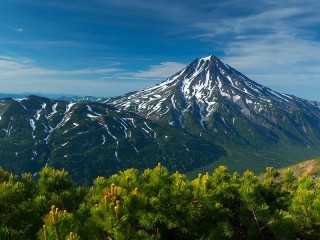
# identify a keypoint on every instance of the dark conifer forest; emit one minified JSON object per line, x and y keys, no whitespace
{"x":154,"y":204}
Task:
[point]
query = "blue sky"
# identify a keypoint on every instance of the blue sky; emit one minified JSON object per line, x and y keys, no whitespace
{"x":110,"y":47}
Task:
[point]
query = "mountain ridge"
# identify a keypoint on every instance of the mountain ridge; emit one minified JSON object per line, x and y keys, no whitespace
{"x":90,"y":138}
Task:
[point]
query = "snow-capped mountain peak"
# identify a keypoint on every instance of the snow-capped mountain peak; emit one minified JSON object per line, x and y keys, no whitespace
{"x":206,"y":83}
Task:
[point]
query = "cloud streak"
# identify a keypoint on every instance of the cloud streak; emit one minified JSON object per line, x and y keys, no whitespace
{"x":163,"y":70}
{"x":18,"y":30}
{"x":21,"y":67}
{"x":23,"y":75}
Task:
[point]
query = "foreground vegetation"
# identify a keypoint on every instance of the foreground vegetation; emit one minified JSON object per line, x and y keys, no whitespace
{"x":157,"y":205}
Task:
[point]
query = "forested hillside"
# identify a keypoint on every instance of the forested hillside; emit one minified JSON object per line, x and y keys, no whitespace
{"x":156,"y":205}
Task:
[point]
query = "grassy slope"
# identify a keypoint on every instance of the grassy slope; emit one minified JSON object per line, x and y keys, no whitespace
{"x":309,"y":167}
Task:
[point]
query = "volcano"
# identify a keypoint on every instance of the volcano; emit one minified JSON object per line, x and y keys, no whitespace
{"x":210,"y":99}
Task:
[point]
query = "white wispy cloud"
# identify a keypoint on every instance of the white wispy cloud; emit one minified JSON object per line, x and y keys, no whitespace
{"x":273,"y":52}
{"x":270,"y":20}
{"x":280,"y":58}
{"x":21,"y":68}
{"x":162,"y":70}
{"x":54,"y":85}
{"x":18,"y":30}
{"x":275,"y":45}
{"x":24,"y":75}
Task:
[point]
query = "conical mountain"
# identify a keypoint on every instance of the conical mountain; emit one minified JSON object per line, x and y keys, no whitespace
{"x":208,"y":82}
{"x":218,"y":103}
